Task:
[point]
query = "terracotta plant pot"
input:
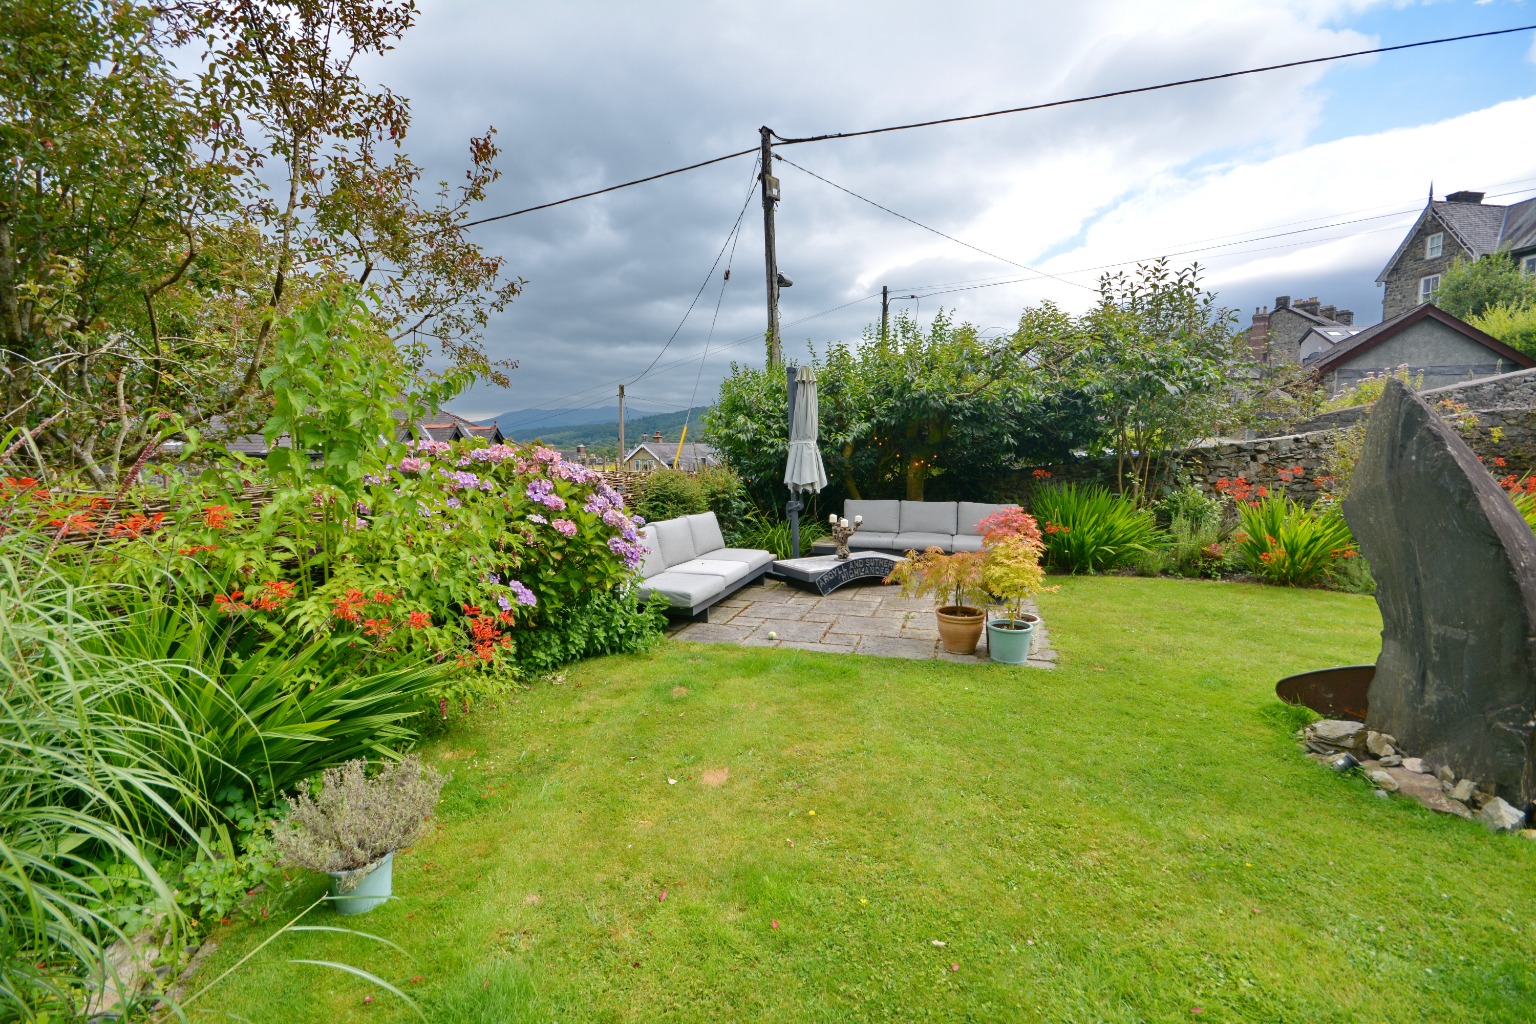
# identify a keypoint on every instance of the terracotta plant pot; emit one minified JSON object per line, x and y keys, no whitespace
{"x":960,"y":628}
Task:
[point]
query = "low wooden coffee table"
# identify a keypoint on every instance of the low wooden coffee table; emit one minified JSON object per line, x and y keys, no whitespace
{"x":825,"y":573}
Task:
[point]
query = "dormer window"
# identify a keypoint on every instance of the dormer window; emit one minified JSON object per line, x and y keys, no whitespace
{"x":1434,"y":245}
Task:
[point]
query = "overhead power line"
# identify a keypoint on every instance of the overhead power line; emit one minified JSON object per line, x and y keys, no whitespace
{"x":925,"y":227}
{"x":1152,"y":88}
{"x":999,"y":113}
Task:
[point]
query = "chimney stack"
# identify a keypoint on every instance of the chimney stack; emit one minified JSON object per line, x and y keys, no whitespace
{"x":1465,"y":197}
{"x":1328,"y":313}
{"x":657,"y":438}
{"x":1345,"y":317}
{"x":1310,"y":305}
{"x":1282,"y":301}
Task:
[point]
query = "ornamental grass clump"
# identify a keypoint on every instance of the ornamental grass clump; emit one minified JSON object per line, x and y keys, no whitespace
{"x":356,"y":820}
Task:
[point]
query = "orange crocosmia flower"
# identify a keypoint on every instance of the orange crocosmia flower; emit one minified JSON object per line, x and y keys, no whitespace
{"x":216,"y":516}
{"x":381,"y":597}
{"x":419,"y":620}
{"x":282,"y":590}
{"x":377,"y":627}
{"x":472,"y":610}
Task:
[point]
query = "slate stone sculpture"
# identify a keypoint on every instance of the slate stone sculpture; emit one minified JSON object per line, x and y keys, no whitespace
{"x":1455,"y":569}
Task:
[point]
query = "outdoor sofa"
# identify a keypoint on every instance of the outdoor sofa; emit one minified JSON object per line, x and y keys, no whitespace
{"x":689,"y":564}
{"x":901,"y":526}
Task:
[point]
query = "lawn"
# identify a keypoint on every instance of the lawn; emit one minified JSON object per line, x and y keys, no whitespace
{"x":1132,"y":837}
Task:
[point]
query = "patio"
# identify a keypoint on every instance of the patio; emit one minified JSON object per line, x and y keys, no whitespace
{"x":856,"y":619}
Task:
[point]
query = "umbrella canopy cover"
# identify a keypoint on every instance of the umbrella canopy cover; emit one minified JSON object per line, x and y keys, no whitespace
{"x":803,"y":472}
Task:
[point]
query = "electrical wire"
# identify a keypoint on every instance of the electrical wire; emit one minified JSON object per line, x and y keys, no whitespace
{"x":995,"y":113}
{"x":1152,"y":88}
{"x":735,"y":230}
{"x":925,"y":227}
{"x":719,"y":299}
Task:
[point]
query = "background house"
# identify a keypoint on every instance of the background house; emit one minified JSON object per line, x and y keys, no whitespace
{"x":1276,"y":336}
{"x":1460,"y":226}
{"x":655,"y":453}
{"x":1425,"y":339}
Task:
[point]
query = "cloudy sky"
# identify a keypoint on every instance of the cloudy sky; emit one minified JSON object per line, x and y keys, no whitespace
{"x":1299,"y":182}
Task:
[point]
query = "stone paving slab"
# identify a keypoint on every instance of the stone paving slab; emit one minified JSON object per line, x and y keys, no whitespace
{"x":868,"y":619}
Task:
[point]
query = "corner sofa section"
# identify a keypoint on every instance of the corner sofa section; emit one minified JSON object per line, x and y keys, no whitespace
{"x":901,"y":526}
{"x":689,"y":564}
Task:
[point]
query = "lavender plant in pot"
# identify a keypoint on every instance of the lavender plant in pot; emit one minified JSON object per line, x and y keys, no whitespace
{"x":954,"y":582}
{"x":353,"y":826}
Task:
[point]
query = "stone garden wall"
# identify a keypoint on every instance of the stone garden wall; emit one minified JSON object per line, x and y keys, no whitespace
{"x":1505,"y":408}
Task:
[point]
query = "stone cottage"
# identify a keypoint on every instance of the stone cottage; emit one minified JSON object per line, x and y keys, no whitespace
{"x":1277,"y":337}
{"x":1425,"y":339}
{"x":1461,"y":226}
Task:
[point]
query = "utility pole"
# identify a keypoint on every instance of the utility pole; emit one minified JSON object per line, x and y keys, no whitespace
{"x":770,"y":249}
{"x":621,"y":426}
{"x":885,"y":311}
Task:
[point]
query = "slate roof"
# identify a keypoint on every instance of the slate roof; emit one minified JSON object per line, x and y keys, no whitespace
{"x":1373,"y":336}
{"x":695,"y":454}
{"x":1481,"y":228}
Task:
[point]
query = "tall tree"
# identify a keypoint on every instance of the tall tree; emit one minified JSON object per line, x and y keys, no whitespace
{"x":153,"y":225}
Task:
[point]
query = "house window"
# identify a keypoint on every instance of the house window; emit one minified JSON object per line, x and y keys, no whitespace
{"x":1427,"y":286}
{"x":1434,"y":245}
{"x":1528,"y":265}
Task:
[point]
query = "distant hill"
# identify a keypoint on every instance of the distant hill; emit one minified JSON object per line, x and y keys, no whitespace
{"x":603,"y":437}
{"x":517,"y":422}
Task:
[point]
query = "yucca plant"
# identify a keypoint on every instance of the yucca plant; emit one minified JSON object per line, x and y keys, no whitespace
{"x":1285,"y":542}
{"x":1088,"y":529}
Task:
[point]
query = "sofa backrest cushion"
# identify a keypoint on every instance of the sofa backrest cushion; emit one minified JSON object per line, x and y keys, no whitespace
{"x":973,"y":512}
{"x":706,"y":533}
{"x":653,"y":564}
{"x":879,"y":516}
{"x":676,"y":541}
{"x":928,"y":517}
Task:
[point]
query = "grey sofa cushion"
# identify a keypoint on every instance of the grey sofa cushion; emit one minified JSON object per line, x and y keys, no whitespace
{"x":967,"y":542}
{"x":676,"y":541}
{"x":879,"y":541}
{"x":653,"y":564}
{"x":973,"y":512}
{"x":752,"y":556}
{"x":927,"y":517}
{"x":879,"y":516}
{"x":923,"y":541}
{"x":730,"y":570}
{"x":706,"y":533}
{"x":683,"y":589}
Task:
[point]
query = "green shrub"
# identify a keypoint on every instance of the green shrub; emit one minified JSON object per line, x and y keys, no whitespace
{"x":1283,"y":541}
{"x":1370,"y":388}
{"x":1089,"y":529}
{"x":1193,"y":505}
{"x":726,"y":496}
{"x":1514,"y":325}
{"x":1195,"y":547}
{"x":669,"y":493}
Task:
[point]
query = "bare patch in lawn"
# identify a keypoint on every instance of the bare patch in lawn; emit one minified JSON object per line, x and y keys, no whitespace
{"x":715,"y":777}
{"x":679,"y":691}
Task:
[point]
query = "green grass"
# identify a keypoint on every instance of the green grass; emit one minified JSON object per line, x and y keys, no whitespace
{"x":1125,"y":839}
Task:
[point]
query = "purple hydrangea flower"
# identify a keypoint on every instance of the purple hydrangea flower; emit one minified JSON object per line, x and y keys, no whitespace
{"x":502,"y":602}
{"x":536,"y":518}
{"x":522,"y":593}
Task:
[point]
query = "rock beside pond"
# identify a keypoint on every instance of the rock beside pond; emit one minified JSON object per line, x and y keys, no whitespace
{"x":1379,"y":744}
{"x":1463,"y":790}
{"x":1383,"y":779}
{"x":1415,"y":765}
{"x":1391,"y":760}
{"x":1445,"y":775}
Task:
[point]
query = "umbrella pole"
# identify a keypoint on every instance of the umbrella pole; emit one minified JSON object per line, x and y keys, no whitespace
{"x":795,"y":505}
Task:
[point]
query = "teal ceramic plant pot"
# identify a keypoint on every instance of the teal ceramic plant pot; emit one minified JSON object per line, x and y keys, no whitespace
{"x":1008,"y":640}
{"x":357,"y":892}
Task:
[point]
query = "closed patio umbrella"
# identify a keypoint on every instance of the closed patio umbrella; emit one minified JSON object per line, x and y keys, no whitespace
{"x":803,"y":471}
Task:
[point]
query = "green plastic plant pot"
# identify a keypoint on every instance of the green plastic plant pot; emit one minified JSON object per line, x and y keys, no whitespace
{"x":1008,"y":640}
{"x":373,"y":888}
